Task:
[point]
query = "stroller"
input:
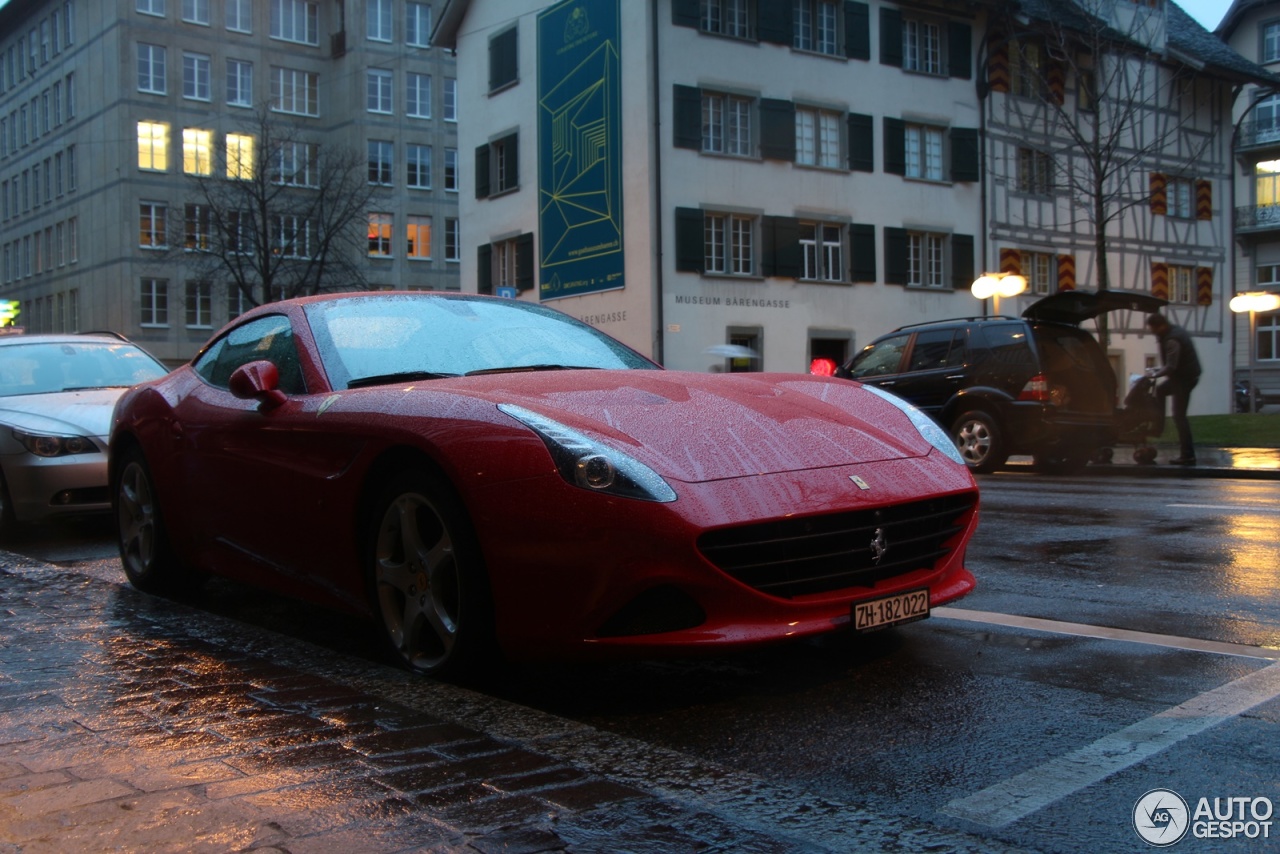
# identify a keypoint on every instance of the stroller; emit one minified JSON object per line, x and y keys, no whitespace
{"x":1141,"y":417}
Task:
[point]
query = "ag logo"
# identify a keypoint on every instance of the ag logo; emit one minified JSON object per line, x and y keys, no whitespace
{"x":1161,"y":817}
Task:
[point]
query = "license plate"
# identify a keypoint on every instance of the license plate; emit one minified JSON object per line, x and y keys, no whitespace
{"x":891,"y":610}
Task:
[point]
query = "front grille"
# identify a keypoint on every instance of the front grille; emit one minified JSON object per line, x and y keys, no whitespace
{"x":817,"y":554}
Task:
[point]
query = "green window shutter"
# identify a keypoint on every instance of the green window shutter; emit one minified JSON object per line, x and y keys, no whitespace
{"x":690,"y":257}
{"x":962,"y":272}
{"x":890,"y":37}
{"x":857,"y":30}
{"x":484,"y":269}
{"x":684,"y":13}
{"x":773,"y":22}
{"x":862,"y":155}
{"x":777,"y":129}
{"x":964,"y":155}
{"x":895,"y":146}
{"x":782,"y":255}
{"x":502,"y":59}
{"x":896,"y":247}
{"x":482,"y":171}
{"x":862,"y":252}
{"x":686,"y":117}
{"x":524,"y":262}
{"x":960,"y":50}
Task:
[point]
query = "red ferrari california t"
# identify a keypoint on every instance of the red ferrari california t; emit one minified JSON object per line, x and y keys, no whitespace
{"x":488,"y":477}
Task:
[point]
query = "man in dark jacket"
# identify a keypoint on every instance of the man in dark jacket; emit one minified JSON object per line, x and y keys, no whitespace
{"x":1180,"y":371}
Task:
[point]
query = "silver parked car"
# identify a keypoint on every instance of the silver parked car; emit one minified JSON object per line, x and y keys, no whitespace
{"x":57,"y":393}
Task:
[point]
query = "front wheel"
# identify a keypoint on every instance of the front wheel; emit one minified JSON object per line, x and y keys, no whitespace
{"x":148,"y":558}
{"x":427,"y":580}
{"x":978,"y":438}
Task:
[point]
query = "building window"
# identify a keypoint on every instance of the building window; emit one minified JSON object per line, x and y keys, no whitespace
{"x":155,"y":302}
{"x":921,"y":47}
{"x":925,"y":260}
{"x":196,"y":76}
{"x":378,"y":20}
{"x":1035,"y":172}
{"x":815,"y":25}
{"x":381,"y":154}
{"x":498,"y":166}
{"x":1041,"y":270}
{"x":1182,"y":284}
{"x":418,"y":238}
{"x":195,"y":11}
{"x":417,"y":29}
{"x":417,"y":166}
{"x":417,"y":95}
{"x":197,"y":220}
{"x":451,"y":170}
{"x":294,"y":164}
{"x":924,"y":152}
{"x":503,"y":67}
{"x":239,"y":15}
{"x":726,"y":124}
{"x":380,"y":235}
{"x":378,"y":91}
{"x":452,"y":239}
{"x":822,"y":250}
{"x":294,"y":91}
{"x":1026,"y":69}
{"x":199,"y":305}
{"x":197,"y":151}
{"x":817,"y":138}
{"x":233,"y":234}
{"x":728,"y":244}
{"x":153,"y":146}
{"x":1181,"y":197}
{"x":151,"y":69}
{"x":239,"y":83}
{"x":504,"y":270}
{"x":295,"y":21}
{"x":450,"y":99}
{"x":1271,"y":43}
{"x":151,"y":225}
{"x":291,"y":236}
{"x":151,"y":7}
{"x":725,"y":18}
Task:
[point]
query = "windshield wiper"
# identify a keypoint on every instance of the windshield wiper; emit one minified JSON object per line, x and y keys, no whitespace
{"x":524,"y":368}
{"x":397,"y":377}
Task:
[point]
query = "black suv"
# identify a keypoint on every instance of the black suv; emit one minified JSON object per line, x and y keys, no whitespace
{"x":1036,"y":385}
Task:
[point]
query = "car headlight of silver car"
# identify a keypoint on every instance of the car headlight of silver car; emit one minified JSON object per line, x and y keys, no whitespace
{"x":44,"y":445}
{"x":927,"y":427}
{"x":593,"y":465}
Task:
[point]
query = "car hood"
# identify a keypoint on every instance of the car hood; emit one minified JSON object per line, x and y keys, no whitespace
{"x":700,"y":427}
{"x":66,"y":413}
{"x":1077,"y":306}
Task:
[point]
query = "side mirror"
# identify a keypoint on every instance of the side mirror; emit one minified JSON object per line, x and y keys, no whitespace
{"x":258,"y":381}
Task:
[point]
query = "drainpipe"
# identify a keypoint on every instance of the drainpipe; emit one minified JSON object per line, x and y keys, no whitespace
{"x":659,"y":332}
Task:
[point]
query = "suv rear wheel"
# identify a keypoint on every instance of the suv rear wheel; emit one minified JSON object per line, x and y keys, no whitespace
{"x":979,"y":440}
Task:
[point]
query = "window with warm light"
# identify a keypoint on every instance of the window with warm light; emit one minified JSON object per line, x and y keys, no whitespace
{"x":418,"y":236}
{"x":380,"y":235}
{"x":197,"y":151}
{"x":153,"y":146}
{"x":240,"y":163}
{"x":1267,"y":182}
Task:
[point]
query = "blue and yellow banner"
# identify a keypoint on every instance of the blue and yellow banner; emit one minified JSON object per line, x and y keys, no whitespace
{"x":579,"y":148}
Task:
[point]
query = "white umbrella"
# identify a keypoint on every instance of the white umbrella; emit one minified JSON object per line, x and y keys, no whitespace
{"x":731,"y":351}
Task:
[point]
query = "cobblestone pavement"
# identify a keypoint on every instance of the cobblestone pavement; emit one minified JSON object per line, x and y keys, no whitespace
{"x":131,"y":723}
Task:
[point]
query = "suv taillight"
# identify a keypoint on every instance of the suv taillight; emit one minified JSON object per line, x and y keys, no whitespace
{"x":1037,"y":389}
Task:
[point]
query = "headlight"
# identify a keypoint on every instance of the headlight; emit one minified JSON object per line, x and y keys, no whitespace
{"x":928,"y":428}
{"x":55,"y":446}
{"x":592,"y":465}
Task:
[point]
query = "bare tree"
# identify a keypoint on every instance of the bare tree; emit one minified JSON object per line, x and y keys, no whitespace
{"x":1135,"y":112}
{"x":278,"y":215}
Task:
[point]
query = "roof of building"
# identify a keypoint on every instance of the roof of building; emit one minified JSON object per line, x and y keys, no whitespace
{"x":446,"y":31}
{"x":1235,"y":14}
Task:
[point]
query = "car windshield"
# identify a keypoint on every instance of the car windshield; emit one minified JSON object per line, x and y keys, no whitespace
{"x":364,"y":340}
{"x":50,"y":366}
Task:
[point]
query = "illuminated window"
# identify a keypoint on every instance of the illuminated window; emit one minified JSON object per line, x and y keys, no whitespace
{"x":380,"y":235}
{"x":1267,"y":182}
{"x":240,"y":156}
{"x":418,"y":236}
{"x":153,"y":146}
{"x":197,"y":151}
{"x":151,"y":225}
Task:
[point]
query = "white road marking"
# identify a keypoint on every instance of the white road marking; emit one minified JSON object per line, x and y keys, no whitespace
{"x":1106,"y":633}
{"x":1019,"y":796}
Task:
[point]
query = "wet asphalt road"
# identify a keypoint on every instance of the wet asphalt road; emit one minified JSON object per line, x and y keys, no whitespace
{"x":965,"y":722}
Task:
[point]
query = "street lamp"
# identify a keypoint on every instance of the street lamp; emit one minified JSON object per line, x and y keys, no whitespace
{"x":997,"y":285}
{"x":1254,"y":302}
